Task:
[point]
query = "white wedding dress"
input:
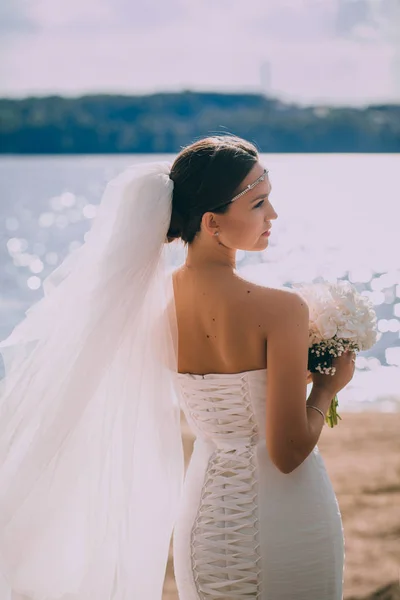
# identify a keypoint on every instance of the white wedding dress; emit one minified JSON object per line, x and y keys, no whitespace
{"x":246,"y":530}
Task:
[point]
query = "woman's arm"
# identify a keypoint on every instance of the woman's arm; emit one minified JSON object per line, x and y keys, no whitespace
{"x":292,"y":431}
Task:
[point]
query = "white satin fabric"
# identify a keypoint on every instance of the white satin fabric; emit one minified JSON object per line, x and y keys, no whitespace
{"x":246,"y":530}
{"x":91,"y":461}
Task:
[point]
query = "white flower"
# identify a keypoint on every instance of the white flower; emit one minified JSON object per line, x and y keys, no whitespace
{"x":340,"y":319}
{"x":326,"y":323}
{"x":338,"y":311}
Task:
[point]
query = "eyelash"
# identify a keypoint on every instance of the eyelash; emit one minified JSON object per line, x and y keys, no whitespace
{"x":259,"y":204}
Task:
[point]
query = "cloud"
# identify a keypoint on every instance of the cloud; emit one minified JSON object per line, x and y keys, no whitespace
{"x":14,"y":18}
{"x":102,"y":15}
{"x":105,"y":45}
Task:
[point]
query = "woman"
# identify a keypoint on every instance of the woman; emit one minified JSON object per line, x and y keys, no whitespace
{"x":259,"y":518}
{"x":90,"y":450}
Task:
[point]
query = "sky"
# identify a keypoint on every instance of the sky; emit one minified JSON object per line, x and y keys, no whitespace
{"x":308,"y":51}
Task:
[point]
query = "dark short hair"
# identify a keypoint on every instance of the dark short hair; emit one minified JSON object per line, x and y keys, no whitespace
{"x":206,"y":176}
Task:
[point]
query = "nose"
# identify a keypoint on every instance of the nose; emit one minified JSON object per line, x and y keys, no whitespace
{"x":271,"y":213}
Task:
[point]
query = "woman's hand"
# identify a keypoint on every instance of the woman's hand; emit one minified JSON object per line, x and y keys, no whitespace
{"x":345,"y":367}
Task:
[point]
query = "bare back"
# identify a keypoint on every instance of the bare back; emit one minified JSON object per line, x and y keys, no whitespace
{"x":222,"y":321}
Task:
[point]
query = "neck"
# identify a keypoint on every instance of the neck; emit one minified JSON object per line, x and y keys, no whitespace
{"x":209,"y":255}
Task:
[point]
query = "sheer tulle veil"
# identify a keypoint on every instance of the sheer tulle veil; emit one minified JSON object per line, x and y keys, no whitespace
{"x":91,"y":461}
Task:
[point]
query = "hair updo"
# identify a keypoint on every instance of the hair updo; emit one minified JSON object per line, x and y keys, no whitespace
{"x":206,"y":176}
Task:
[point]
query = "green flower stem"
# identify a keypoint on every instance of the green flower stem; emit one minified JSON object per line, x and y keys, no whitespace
{"x":332,"y":414}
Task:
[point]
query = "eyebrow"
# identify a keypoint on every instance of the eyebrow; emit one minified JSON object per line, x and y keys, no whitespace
{"x":261,"y":196}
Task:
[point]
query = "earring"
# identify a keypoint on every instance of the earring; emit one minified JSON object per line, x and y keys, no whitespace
{"x":216,"y":233}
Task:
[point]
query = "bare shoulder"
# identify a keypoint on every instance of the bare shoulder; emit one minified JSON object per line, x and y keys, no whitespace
{"x":273,"y":306}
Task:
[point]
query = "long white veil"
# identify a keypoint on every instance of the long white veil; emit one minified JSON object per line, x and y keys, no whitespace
{"x":91,"y":460}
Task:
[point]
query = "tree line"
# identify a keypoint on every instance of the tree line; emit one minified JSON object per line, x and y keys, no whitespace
{"x":164,"y":122}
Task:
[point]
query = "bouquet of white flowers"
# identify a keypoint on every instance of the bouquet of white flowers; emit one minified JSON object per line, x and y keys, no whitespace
{"x":341,"y":319}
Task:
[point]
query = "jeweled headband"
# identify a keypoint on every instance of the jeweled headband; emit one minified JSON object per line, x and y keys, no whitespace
{"x":251,"y":185}
{"x":247,"y":189}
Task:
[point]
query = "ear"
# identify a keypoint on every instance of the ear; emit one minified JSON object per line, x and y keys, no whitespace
{"x":209,"y":223}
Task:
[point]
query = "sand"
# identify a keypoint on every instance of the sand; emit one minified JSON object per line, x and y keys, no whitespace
{"x":362,"y":455}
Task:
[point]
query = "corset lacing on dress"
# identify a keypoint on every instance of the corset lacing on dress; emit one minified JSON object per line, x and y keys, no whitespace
{"x":225,"y":547}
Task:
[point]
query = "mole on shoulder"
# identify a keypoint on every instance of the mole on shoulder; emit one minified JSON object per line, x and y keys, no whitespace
{"x":248,"y":291}
{"x":208,"y":336}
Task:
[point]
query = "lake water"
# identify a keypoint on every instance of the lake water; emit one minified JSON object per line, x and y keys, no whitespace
{"x":338,"y":217}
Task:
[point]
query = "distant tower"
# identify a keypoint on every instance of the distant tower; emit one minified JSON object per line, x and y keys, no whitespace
{"x":266,"y":78}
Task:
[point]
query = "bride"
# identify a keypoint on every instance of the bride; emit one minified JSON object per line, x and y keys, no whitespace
{"x":91,"y":462}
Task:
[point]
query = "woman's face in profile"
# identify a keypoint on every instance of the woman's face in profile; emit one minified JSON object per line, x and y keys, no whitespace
{"x":244,"y":225}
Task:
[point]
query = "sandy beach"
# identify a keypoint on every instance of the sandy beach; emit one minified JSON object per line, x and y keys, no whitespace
{"x":362,"y":455}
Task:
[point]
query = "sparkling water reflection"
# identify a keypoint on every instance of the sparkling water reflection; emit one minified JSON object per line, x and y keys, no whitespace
{"x":338,"y":217}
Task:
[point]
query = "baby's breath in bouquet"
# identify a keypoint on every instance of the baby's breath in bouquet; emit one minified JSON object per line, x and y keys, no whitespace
{"x":341,"y":319}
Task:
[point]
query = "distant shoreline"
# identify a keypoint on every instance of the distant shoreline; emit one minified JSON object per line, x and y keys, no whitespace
{"x":162,"y":123}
